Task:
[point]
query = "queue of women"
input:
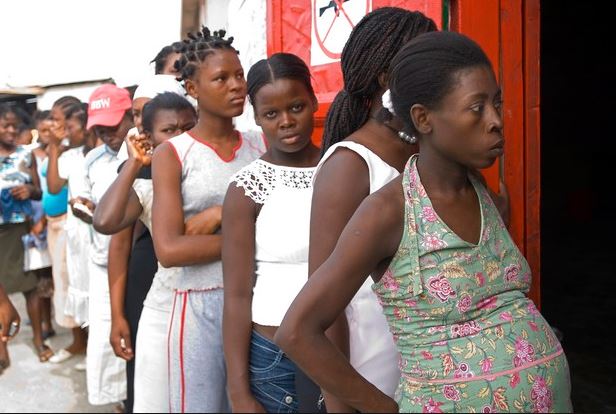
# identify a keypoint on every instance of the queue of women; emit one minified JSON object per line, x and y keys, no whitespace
{"x":250,"y":271}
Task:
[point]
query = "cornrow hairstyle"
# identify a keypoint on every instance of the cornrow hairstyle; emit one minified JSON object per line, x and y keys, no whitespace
{"x":160,"y":60}
{"x":277,"y":66}
{"x":366,"y":55}
{"x":197,"y":47}
{"x":164,"y":101}
{"x":78,"y":111}
{"x":425,"y":70}
{"x":40,"y":116}
{"x":65,"y":102}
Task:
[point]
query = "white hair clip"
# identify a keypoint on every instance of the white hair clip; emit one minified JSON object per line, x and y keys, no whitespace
{"x":387,"y":103}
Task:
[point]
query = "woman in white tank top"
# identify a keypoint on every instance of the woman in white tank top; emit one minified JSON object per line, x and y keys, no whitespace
{"x":266,"y":219}
{"x":362,"y":152}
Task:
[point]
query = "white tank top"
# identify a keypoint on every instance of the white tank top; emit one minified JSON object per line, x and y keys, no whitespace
{"x":205,"y":177}
{"x":373,"y":352}
{"x":282,"y":232}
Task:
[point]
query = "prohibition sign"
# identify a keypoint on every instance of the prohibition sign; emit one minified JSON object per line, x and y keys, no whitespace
{"x":333,"y":21}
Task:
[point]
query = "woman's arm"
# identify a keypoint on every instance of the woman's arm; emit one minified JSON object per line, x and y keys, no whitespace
{"x":331,"y":211}
{"x":54,"y":181}
{"x":238,"y":261}
{"x":173,"y":247}
{"x":372,"y":236}
{"x":120,"y":207}
{"x":119,"y":254}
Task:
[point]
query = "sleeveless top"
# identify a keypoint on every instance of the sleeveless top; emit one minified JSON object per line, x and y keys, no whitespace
{"x":372,"y":350}
{"x":205,"y":177}
{"x":53,"y":204}
{"x":282,"y":231}
{"x":458,"y":310}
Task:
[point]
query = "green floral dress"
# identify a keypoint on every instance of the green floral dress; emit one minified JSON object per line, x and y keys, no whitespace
{"x":469,"y":338}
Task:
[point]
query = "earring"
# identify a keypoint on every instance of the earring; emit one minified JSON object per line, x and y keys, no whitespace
{"x":409,"y":139}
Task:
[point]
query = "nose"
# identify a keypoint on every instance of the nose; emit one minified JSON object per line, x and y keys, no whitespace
{"x":237,"y":83}
{"x":495,"y":120}
{"x":286,"y":120}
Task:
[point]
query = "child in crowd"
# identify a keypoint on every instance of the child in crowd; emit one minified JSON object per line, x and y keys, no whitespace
{"x":191,"y":173}
{"x":110,"y":117}
{"x":132,"y":262}
{"x":266,"y":220}
{"x":446,"y":271}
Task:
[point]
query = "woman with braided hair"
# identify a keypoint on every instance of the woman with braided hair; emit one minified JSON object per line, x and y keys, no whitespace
{"x":362,"y":151}
{"x":191,"y":173}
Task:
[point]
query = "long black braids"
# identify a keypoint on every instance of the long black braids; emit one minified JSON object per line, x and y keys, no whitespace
{"x":197,"y":47}
{"x":367,"y":54}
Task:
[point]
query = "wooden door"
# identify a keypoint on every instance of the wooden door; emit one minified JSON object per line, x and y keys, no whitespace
{"x":508,"y":30}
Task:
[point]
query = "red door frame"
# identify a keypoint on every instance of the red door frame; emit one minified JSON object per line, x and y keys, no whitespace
{"x":508,"y":30}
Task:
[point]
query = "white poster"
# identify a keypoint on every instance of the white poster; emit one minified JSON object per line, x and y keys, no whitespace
{"x":332,"y":22}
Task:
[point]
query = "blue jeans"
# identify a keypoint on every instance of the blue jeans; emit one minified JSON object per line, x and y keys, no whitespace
{"x":272,"y":376}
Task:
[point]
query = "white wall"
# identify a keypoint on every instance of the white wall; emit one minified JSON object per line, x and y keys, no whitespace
{"x":46,"y":42}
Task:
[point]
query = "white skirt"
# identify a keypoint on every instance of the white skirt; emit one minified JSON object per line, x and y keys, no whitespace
{"x":79,"y":238}
{"x":373,"y":352}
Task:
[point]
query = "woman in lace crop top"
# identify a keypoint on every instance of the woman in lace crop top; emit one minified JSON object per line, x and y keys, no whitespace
{"x":450,"y":279}
{"x":266,"y":217}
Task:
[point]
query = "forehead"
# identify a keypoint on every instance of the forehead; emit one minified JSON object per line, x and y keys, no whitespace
{"x":173,"y":116}
{"x":281,"y":90}
{"x":221,"y":59}
{"x":472,"y":81}
{"x":56,"y":112}
{"x":9,"y":118}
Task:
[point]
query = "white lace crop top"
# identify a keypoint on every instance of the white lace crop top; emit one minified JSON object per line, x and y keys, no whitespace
{"x":282,"y":234}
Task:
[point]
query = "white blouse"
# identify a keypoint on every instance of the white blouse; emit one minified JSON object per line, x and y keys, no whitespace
{"x":282,"y":233}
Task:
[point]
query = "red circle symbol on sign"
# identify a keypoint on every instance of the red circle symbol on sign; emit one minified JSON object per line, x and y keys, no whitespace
{"x":333,"y":20}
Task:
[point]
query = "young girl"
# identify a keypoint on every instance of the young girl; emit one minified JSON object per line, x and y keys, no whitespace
{"x":450,"y":278}
{"x":65,"y":168}
{"x":266,"y":222}
{"x":191,"y":173}
{"x":130,"y":199}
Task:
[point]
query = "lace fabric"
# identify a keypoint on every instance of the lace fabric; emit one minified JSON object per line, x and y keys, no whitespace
{"x":260,"y":178}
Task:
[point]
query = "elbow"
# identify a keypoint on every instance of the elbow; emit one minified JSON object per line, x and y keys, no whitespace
{"x":165,"y":256}
{"x":102,"y":224}
{"x":288,"y":337}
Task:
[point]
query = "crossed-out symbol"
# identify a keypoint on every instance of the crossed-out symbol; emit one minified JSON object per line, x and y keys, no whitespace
{"x":339,"y":10}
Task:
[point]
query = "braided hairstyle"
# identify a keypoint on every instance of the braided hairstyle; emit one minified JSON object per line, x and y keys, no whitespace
{"x":425,"y":69}
{"x":64,"y":103}
{"x":277,"y":66}
{"x":197,"y":47}
{"x":78,"y":111}
{"x":160,"y":60}
{"x":366,"y":56}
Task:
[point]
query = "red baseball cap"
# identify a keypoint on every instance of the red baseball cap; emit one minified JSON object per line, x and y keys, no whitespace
{"x":107,"y":106}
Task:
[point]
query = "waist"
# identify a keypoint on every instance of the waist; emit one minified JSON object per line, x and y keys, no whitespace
{"x":276,"y":286}
{"x":200,"y":277}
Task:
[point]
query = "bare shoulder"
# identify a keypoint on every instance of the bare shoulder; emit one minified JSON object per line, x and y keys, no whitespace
{"x":386,"y":204}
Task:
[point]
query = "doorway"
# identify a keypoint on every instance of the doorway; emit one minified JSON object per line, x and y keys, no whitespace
{"x":577,"y":277}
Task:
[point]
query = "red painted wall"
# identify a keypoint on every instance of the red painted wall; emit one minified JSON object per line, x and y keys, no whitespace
{"x":508,"y":30}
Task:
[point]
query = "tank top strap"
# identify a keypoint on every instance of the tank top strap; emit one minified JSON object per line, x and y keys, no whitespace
{"x":403,"y":277}
{"x":379,"y":171}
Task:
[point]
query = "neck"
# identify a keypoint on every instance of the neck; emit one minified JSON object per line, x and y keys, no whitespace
{"x":305,"y":158}
{"x":441,"y":175}
{"x":213,"y":128}
{"x":7,"y":148}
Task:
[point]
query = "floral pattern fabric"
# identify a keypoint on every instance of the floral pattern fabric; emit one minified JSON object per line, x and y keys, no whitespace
{"x":469,"y":339}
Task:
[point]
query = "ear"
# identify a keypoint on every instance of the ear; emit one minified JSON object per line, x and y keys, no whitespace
{"x":421,"y":119}
{"x":191,"y":88}
{"x":315,"y":104}
{"x":384,"y":80}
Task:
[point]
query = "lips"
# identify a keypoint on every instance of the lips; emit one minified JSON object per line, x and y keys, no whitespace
{"x":239,"y":100}
{"x":291,"y":139}
{"x":498,"y":148}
